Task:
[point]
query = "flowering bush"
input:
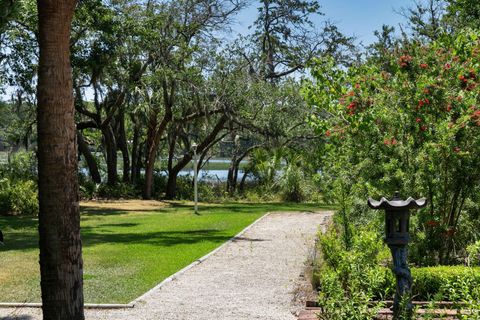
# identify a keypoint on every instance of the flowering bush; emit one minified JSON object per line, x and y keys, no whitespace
{"x":412,"y":124}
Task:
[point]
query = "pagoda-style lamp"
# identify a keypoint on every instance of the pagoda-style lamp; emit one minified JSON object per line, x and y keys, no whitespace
{"x":397,"y":220}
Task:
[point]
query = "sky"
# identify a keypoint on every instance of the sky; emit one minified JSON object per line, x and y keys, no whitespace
{"x":353,"y":17}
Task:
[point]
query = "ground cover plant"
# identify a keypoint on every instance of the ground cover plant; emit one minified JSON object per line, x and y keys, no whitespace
{"x":129,"y":246}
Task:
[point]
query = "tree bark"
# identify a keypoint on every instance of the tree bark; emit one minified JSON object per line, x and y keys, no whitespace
{"x":111,"y":152}
{"x":155,"y":133}
{"x":61,"y":266}
{"x":89,"y":158}
{"x":122,"y":144}
{"x":171,"y":191}
{"x":135,"y":152}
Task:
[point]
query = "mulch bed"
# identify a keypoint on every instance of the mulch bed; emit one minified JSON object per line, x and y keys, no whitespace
{"x":311,"y":311}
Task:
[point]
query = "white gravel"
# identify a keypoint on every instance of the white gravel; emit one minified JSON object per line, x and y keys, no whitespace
{"x":253,"y":277}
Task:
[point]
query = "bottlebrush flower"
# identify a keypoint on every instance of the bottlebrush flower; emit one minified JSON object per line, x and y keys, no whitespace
{"x":431,"y":223}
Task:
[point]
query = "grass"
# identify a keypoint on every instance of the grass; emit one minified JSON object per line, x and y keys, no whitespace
{"x":129,"y":246}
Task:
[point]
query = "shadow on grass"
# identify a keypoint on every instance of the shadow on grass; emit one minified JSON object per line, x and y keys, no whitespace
{"x":25,"y":242}
{"x":160,"y":238}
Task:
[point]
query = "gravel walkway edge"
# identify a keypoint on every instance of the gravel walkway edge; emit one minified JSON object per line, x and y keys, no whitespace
{"x":196,"y":262}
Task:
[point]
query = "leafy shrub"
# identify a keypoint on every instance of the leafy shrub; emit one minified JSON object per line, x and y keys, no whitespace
{"x":87,"y":188}
{"x":350,"y":278}
{"x":473,"y":251}
{"x":292,"y":184}
{"x":18,"y":198}
{"x":118,"y":191}
{"x":21,"y":166}
{"x":449,"y":283}
{"x":411,"y":124}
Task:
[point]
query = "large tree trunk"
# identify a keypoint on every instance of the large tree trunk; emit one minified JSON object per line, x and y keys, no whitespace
{"x":111,"y":151}
{"x":61,"y":265}
{"x":89,"y":158}
{"x":135,"y":151}
{"x":171,"y":189}
{"x":122,"y":145}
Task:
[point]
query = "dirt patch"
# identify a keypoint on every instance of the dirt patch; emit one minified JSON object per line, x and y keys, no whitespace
{"x":124,"y":205}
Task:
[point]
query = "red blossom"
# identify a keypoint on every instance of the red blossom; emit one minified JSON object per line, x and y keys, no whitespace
{"x":449,"y":108}
{"x":447,"y":66}
{"x":404,"y":61}
{"x":431,"y":223}
{"x":394,"y":141}
{"x":423,"y":65}
{"x":328,"y":133}
{"x":386,"y":142}
{"x":357,"y":86}
{"x":456,"y":149}
{"x":423,"y":128}
{"x":418,"y":120}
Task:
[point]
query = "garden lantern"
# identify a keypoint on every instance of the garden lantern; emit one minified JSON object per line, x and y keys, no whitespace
{"x":397,"y":218}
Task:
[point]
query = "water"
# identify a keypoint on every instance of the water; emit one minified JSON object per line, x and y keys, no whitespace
{"x":203,"y":175}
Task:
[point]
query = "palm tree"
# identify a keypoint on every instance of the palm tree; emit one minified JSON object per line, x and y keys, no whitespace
{"x":59,"y":219}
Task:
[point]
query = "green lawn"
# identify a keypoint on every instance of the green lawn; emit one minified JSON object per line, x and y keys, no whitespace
{"x":128,"y":248}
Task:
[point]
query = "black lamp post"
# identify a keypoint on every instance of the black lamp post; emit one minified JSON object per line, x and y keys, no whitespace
{"x":397,"y":220}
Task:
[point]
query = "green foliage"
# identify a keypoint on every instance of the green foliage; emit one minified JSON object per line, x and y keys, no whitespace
{"x":21,"y":166}
{"x":18,"y":198}
{"x":18,"y":187}
{"x":413,"y":125}
{"x":473,"y":251}
{"x":350,"y":278}
{"x":119,"y":190}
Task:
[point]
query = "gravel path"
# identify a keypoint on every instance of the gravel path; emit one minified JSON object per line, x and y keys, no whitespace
{"x":252,"y":277}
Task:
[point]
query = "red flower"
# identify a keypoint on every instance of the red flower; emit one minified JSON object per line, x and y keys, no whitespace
{"x":328,"y":133}
{"x":423,"y":128}
{"x":351,"y":93}
{"x":386,"y":142}
{"x":456,"y":149}
{"x":404,"y":61}
{"x":449,"y":108}
{"x":431,"y":223}
{"x":447,"y":66}
{"x":420,"y":103}
{"x":418,"y":120}
{"x":357,"y":86}
{"x":352,"y":106}
{"x":423,"y":65}
{"x":394,"y":141}
{"x":426,"y":101}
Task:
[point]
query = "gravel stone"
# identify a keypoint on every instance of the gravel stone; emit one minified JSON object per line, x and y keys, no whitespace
{"x":252,"y":277}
